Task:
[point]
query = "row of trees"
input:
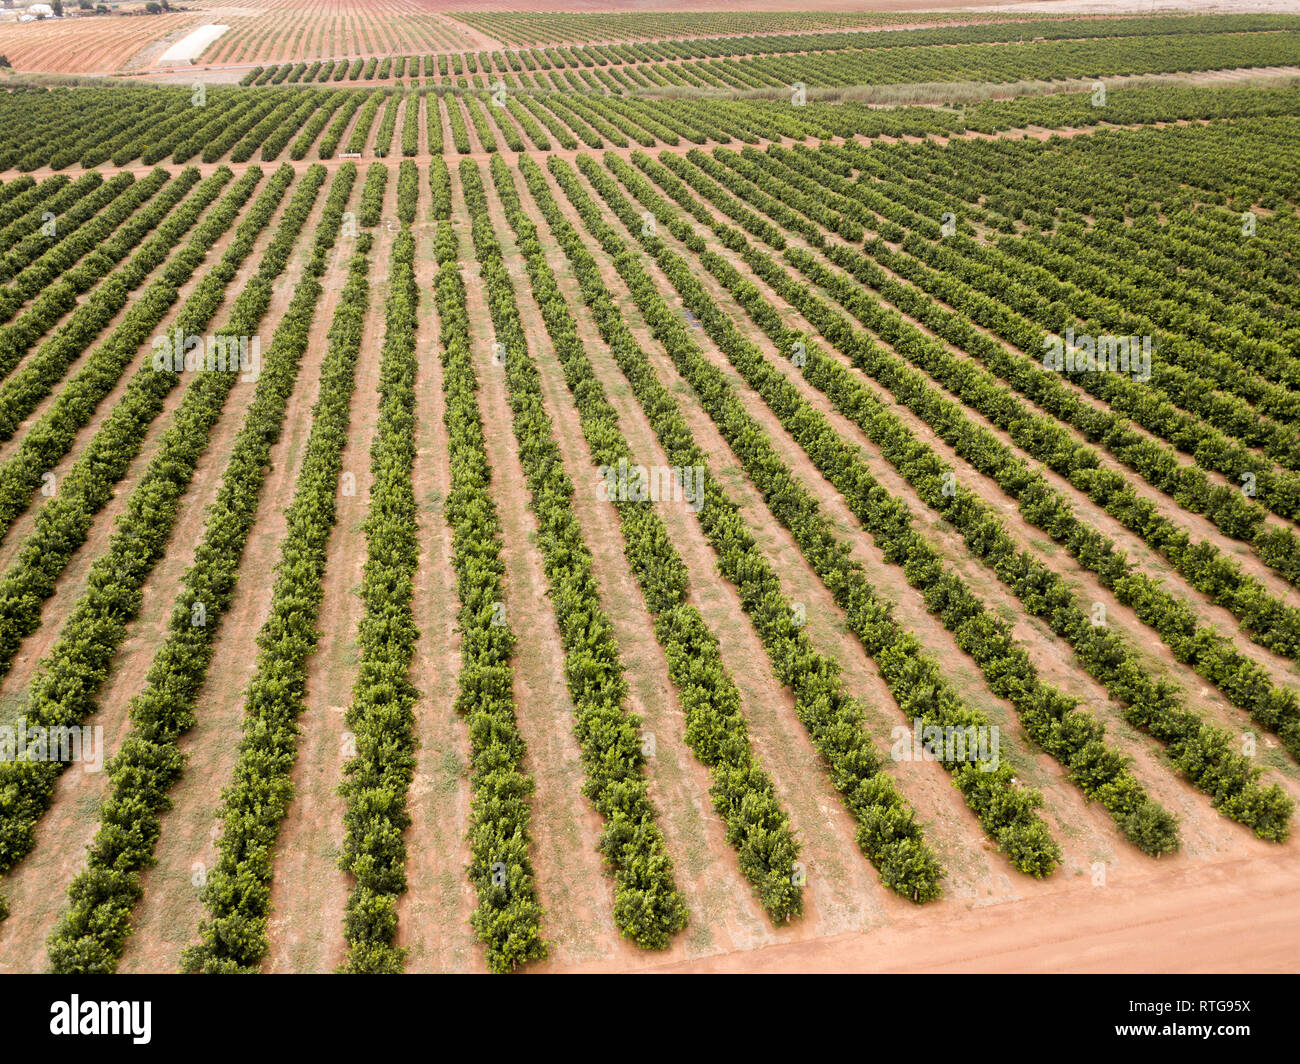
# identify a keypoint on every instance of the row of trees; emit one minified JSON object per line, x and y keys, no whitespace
{"x":647,"y":905}
{"x":508,"y":917}
{"x":888,"y":832}
{"x":381,"y":715}
{"x":1006,"y":811}
{"x":558,"y":130}
{"x":277,"y":136}
{"x":139,"y":127}
{"x":1269,"y":621}
{"x":388,"y":124}
{"x":1113,"y":241}
{"x":967,"y":277}
{"x":90,"y":935}
{"x":237,"y":891}
{"x":66,"y":691}
{"x":411,"y":124}
{"x":72,"y":247}
{"x":255,"y":135}
{"x":56,"y":124}
{"x":330,"y":139}
{"x":310,"y":130}
{"x":439,"y":189}
{"x":1203,"y":752}
{"x":41,"y":233}
{"x":89,"y":485}
{"x":372,"y":195}
{"x":24,"y":213}
{"x":459,"y":131}
{"x":964,"y":270}
{"x":474,"y":106}
{"x":742,"y":792}
{"x":361,"y":129}
{"x":47,"y":366}
{"x":408,"y":191}
{"x":959,"y":282}
{"x":215,"y":136}
{"x":1105,"y":292}
{"x":507,"y":129}
{"x":1050,"y":717}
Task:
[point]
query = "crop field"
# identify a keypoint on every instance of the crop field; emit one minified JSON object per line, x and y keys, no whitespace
{"x":504,"y":491}
{"x":89,"y":45}
{"x":314,"y":29}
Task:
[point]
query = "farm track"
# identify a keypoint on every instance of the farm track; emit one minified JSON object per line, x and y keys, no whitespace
{"x":1190,"y":919}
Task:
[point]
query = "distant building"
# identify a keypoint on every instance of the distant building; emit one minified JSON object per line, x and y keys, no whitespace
{"x":40,"y":10}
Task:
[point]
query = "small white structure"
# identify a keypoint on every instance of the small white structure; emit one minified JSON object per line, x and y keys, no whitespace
{"x":40,"y":10}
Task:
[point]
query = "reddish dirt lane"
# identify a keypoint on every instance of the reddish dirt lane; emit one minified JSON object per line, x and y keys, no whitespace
{"x":1233,"y":916}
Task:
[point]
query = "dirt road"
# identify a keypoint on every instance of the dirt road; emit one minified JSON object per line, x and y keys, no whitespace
{"x":1187,"y":916}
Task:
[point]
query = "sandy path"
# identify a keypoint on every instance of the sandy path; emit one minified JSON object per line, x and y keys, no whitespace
{"x":1229,"y":916}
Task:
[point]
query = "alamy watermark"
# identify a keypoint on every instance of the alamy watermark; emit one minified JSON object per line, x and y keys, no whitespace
{"x":950,"y":744}
{"x":60,"y":743}
{"x":637,"y":483}
{"x":178,"y":352}
{"x":1083,"y":353}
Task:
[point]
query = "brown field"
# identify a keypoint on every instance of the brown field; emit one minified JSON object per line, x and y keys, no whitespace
{"x":100,"y":45}
{"x":312,"y":29}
